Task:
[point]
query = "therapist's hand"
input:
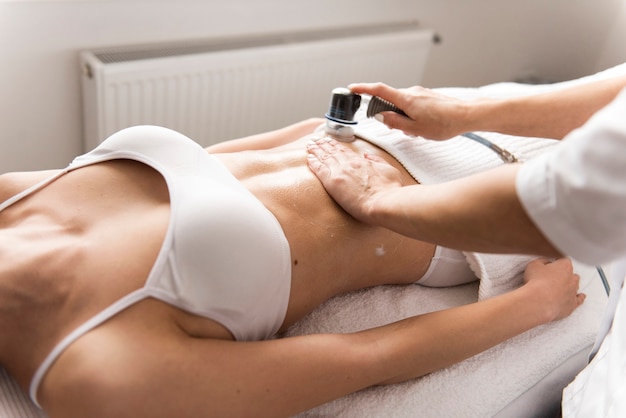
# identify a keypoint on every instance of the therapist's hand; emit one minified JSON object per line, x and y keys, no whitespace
{"x":354,"y":181}
{"x":431,"y":114}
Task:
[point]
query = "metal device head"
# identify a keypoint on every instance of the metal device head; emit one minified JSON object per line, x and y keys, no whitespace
{"x":340,"y":117}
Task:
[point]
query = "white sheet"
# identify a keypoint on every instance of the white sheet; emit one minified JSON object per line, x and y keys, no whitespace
{"x":536,"y":365}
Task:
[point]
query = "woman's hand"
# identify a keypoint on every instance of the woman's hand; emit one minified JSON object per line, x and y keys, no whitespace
{"x":354,"y":181}
{"x":554,"y":286}
{"x":431,"y":114}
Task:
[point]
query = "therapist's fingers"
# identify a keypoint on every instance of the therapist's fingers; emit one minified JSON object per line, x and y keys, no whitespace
{"x":318,"y":161}
{"x":338,"y":166}
{"x":397,"y":97}
{"x":319,"y":169}
{"x":430,"y":113}
{"x":323,"y":149}
{"x":396,"y":121}
{"x":325,"y":157}
{"x":342,"y":172}
{"x":381,"y":90}
{"x":352,"y":180}
{"x":332,"y":158}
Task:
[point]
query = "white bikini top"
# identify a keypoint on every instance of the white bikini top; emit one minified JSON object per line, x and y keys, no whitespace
{"x":224,"y":256}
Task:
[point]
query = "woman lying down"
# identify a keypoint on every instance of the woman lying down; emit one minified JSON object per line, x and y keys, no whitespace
{"x":148,"y":277}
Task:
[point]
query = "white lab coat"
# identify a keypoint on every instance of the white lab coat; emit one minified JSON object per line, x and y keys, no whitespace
{"x":576,"y":195}
{"x":600,"y":389}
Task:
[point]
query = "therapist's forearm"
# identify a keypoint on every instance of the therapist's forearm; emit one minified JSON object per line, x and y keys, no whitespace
{"x":477,"y":213}
{"x":549,"y":115}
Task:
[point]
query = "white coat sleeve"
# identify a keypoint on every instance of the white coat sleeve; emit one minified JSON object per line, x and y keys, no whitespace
{"x":576,"y":194}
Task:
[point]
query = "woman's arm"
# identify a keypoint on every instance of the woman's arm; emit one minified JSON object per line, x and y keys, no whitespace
{"x":548,"y":115}
{"x":156,"y":376}
{"x":268,"y":139}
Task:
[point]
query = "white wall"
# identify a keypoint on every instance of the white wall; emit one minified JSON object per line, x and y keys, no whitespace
{"x":614,"y":50}
{"x":483,"y":41}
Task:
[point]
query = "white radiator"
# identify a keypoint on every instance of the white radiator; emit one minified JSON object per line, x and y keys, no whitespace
{"x":219,"y":89}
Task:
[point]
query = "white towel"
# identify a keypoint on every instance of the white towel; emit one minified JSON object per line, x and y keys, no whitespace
{"x":529,"y":370}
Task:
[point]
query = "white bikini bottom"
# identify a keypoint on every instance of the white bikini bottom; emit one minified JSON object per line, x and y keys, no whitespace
{"x":447,"y":268}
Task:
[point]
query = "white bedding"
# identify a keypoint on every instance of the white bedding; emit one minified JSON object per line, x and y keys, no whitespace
{"x":521,"y":377}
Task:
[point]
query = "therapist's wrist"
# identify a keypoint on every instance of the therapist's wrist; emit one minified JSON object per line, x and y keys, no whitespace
{"x":397,"y":209}
{"x":382,"y":209}
{"x":484,"y":114}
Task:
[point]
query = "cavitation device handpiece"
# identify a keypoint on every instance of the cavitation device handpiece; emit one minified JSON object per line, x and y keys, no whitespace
{"x":340,"y":116}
